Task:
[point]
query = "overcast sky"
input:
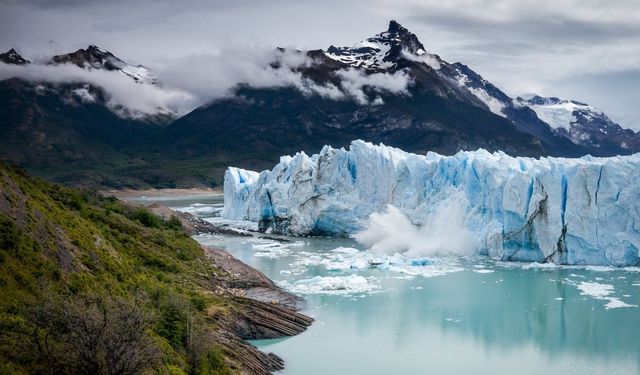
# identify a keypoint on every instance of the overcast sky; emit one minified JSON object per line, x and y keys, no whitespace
{"x":582,"y":49}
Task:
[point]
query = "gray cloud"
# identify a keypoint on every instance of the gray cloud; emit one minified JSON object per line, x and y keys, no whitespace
{"x":567,"y":48}
{"x":197,"y":79}
{"x":212,"y":76}
{"x":354,"y":81}
{"x":138,"y":99}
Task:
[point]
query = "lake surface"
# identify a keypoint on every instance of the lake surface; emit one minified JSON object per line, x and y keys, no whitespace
{"x":440,"y":315}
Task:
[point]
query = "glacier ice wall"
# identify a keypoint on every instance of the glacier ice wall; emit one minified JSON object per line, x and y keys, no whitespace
{"x":566,"y":211}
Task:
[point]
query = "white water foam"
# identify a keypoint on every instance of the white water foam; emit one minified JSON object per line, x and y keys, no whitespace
{"x":443,"y":232}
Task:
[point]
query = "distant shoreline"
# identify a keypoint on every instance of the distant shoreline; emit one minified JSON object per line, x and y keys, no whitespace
{"x":160,"y":192}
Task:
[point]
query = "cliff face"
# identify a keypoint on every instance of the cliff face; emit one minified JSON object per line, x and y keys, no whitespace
{"x":75,"y":265}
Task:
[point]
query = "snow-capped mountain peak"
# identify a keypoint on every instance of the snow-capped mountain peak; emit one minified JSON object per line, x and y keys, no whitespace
{"x":582,"y":123}
{"x":562,"y":113}
{"x":381,"y":51}
{"x":95,"y":58}
{"x":13,"y":57}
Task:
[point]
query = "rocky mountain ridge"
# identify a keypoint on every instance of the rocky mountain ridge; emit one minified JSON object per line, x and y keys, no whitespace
{"x":387,"y":88}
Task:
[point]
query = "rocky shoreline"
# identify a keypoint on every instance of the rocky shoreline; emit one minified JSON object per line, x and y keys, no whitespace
{"x":159,"y":193}
{"x":261,"y":309}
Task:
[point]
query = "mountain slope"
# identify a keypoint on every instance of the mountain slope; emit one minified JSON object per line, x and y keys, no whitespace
{"x":585,"y":125}
{"x":89,"y":285}
{"x":71,"y":131}
{"x":387,"y":88}
{"x":95,"y":58}
{"x":524,"y":118}
{"x":435,"y":113}
{"x":68,"y":137}
{"x":254,"y":129}
{"x":13,"y":57}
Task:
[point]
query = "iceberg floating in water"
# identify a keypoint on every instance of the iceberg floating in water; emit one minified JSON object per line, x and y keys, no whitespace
{"x":565,"y":211}
{"x":332,"y":285}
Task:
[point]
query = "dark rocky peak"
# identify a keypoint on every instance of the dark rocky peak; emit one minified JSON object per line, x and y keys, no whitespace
{"x":395,"y":27}
{"x":381,"y":51}
{"x":91,"y":57}
{"x":95,"y":58}
{"x":397,"y":35}
{"x":13,"y":57}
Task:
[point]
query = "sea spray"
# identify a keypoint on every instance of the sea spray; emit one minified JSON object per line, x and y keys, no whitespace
{"x":443,"y":232}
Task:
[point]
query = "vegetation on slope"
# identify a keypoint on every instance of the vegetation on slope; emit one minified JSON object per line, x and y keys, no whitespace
{"x":89,"y":285}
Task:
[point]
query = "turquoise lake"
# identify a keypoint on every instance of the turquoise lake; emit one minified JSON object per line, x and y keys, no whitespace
{"x":446,"y":315}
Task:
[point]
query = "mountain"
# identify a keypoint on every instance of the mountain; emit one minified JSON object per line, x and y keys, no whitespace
{"x":436,"y":113}
{"x":585,"y":125}
{"x":386,"y":89}
{"x":95,"y":58}
{"x":67,"y":138}
{"x":381,"y":52}
{"x":386,"y":52}
{"x":73,"y":133}
{"x":13,"y":57}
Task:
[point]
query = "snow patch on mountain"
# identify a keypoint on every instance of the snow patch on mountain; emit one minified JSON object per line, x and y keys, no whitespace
{"x":380,"y":52}
{"x":366,"y":54}
{"x":561,"y":113}
{"x":94,"y":57}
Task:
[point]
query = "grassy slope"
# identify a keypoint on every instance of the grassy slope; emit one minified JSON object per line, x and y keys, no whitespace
{"x":74,"y":244}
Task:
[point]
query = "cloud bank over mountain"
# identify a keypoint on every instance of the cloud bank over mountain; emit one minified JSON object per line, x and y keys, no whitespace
{"x":193,"y":80}
{"x":587,"y":50}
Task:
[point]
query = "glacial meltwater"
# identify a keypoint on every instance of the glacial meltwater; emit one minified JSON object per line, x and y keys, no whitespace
{"x":439,"y":315}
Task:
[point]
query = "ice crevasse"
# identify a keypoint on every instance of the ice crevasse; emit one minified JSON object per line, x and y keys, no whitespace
{"x":566,"y":211}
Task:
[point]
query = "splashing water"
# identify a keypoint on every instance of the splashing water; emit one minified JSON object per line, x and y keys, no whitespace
{"x":443,"y":232}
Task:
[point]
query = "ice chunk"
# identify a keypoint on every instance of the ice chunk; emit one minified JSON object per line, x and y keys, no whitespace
{"x":483,"y":270}
{"x":419,"y":262}
{"x":595,"y":290}
{"x":332,"y":285}
{"x":346,"y":250}
{"x":615,"y":303}
{"x":602,"y":292}
{"x":582,"y":211}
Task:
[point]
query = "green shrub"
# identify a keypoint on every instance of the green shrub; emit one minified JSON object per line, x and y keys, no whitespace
{"x":173,"y":223}
{"x":172,"y":322}
{"x":146,"y":218}
{"x":9,"y":235}
{"x":213,"y":364}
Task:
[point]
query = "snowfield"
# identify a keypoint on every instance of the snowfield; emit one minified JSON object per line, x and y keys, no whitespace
{"x":583,"y":211}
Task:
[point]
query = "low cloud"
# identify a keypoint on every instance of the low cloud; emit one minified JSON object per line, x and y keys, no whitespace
{"x":213,"y":76}
{"x":354,"y":81}
{"x":122,"y":91}
{"x":197,"y":79}
{"x":563,"y":47}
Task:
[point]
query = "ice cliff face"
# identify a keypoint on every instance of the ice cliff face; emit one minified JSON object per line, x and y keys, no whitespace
{"x":566,"y":211}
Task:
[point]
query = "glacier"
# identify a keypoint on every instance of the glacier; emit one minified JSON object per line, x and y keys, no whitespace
{"x":582,"y":211}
